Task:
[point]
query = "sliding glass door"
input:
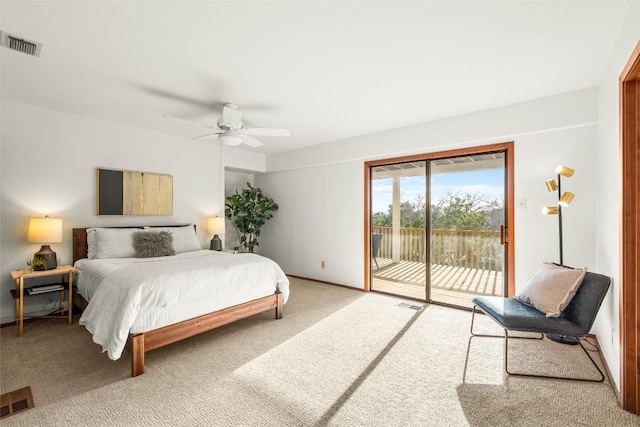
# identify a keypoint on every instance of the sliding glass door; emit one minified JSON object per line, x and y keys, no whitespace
{"x":398,"y":219}
{"x":466,"y":219}
{"x":438,"y":227}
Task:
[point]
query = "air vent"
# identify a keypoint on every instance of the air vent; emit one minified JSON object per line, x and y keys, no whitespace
{"x":412,"y":307}
{"x":19,"y":44}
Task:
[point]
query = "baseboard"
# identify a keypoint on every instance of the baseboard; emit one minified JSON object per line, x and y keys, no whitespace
{"x":614,"y":386}
{"x":326,"y":283}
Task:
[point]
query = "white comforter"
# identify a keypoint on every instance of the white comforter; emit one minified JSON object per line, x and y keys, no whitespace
{"x":134,"y":295}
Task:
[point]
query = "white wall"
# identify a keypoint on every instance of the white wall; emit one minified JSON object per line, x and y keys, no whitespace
{"x":482,"y":127}
{"x":319,"y":219}
{"x":608,"y":188}
{"x":320,"y":189}
{"x":48,"y":166}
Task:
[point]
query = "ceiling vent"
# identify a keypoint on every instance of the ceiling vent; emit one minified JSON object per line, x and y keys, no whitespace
{"x":19,"y":44}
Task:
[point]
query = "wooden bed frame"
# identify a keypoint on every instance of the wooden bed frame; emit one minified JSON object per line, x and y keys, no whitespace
{"x":147,"y":341}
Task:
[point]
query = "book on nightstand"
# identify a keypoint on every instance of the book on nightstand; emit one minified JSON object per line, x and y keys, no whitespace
{"x":35,"y":290}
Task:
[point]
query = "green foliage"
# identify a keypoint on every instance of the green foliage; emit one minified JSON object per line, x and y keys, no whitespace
{"x":464,"y":211}
{"x":248,"y":211}
{"x":37,"y":263}
{"x":454,"y":211}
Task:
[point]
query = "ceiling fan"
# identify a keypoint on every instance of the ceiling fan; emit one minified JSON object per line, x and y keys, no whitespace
{"x":231,"y":130}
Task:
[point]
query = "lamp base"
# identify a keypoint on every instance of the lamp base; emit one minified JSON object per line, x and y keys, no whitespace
{"x":48,"y":256}
{"x":562,"y":339}
{"x":216,"y":243}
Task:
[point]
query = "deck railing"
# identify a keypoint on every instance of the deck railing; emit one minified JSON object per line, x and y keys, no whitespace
{"x":464,"y":248}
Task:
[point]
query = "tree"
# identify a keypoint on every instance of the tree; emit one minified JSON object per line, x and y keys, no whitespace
{"x":455,"y":210}
{"x":466,"y":211}
{"x":248,"y":211}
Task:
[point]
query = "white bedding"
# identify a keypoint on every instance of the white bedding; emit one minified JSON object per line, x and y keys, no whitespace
{"x":134,"y":295}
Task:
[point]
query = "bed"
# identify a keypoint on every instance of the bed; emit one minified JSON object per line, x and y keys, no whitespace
{"x":154,"y":301}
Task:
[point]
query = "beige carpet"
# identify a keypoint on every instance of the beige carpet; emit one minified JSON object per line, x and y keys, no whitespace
{"x":338,"y":357}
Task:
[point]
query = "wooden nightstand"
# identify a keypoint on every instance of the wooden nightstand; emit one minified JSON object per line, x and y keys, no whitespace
{"x":19,"y":277}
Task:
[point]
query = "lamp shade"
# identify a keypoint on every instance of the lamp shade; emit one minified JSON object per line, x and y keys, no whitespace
{"x":551,"y":184}
{"x":45,"y":230}
{"x":216,"y":225}
{"x":551,"y":210}
{"x":566,"y":199}
{"x":565,"y":171}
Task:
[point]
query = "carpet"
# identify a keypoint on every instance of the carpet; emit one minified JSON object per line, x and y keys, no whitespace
{"x":337,"y":358}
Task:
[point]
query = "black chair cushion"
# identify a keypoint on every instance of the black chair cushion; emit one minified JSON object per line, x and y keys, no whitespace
{"x":516,"y":316}
{"x":575,"y":321}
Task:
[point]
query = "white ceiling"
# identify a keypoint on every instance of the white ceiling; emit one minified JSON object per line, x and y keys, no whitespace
{"x":328,"y":70}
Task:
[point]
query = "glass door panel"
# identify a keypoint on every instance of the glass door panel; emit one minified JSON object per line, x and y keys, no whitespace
{"x":467,"y":257}
{"x":398,"y":229}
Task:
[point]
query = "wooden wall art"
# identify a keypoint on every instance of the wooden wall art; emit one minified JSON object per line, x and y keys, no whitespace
{"x":134,"y":193}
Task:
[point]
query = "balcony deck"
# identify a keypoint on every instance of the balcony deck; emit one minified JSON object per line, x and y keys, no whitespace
{"x":449,"y":284}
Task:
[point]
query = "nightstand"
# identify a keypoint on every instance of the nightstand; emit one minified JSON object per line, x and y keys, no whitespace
{"x":20,"y":275}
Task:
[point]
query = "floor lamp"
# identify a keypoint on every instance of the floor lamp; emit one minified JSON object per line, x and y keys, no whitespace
{"x":564,"y":199}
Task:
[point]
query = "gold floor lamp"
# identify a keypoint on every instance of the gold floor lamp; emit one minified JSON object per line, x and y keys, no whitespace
{"x":564,"y":199}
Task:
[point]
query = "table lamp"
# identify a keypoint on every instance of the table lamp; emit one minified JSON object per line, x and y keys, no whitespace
{"x":216,"y":226}
{"x":45,"y":230}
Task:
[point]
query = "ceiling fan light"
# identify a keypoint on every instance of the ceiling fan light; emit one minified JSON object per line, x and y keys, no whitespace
{"x":230,"y":140}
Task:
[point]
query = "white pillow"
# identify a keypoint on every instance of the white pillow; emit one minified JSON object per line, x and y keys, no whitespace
{"x":184,"y":238}
{"x":551,"y":288}
{"x":91,"y":243}
{"x":112,"y":242}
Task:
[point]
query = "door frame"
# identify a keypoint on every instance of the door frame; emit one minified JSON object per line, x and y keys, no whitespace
{"x":506,"y":147}
{"x":630,"y":234}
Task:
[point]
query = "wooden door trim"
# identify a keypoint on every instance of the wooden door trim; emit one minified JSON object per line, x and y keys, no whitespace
{"x":506,"y":147}
{"x":630,"y":234}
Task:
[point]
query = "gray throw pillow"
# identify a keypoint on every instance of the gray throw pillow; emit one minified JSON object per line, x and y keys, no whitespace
{"x":551,"y":288}
{"x":149,"y":244}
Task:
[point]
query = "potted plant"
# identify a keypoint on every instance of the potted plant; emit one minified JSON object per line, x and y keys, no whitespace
{"x":248,"y":211}
{"x":37,"y":264}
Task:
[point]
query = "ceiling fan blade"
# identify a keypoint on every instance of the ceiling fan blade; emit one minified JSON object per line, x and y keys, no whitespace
{"x":188,"y":121}
{"x":251,"y":141}
{"x":207,"y":135}
{"x":231,"y":115}
{"x":267,"y":131}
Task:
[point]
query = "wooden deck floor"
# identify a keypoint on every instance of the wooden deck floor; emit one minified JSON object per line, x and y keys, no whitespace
{"x":449,"y":284}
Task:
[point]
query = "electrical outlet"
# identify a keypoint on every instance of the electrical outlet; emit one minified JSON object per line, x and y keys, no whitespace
{"x":322,"y":264}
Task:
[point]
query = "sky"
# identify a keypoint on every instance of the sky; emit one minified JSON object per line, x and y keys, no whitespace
{"x":489,"y":182}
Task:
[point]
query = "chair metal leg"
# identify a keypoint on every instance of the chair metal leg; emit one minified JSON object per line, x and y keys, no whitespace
{"x":506,"y":333}
{"x":506,"y":365}
{"x":506,"y":354}
{"x":376,"y":261}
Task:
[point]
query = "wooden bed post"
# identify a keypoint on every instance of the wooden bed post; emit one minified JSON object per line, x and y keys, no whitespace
{"x":137,"y":359}
{"x":278,"y":305}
